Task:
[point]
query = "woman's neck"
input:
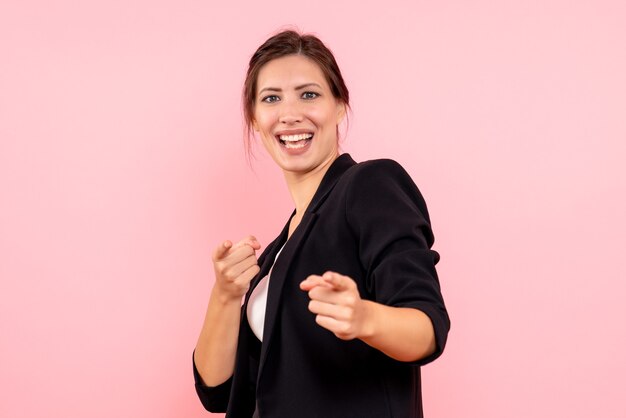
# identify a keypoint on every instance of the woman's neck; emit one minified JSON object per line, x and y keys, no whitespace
{"x":302,"y":187}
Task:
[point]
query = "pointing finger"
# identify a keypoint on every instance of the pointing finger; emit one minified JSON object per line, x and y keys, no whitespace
{"x":311,"y":282}
{"x":253,"y":242}
{"x":249,"y":240}
{"x":337,"y":281}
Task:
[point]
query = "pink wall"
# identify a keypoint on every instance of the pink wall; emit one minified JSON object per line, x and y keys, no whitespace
{"x":121,"y":166}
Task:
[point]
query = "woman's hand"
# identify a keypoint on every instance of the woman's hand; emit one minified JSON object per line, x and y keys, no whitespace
{"x":405,"y":334}
{"x":338,"y":306}
{"x":235,"y":267}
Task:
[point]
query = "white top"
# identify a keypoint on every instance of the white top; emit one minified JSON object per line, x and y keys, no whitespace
{"x":258,"y":303}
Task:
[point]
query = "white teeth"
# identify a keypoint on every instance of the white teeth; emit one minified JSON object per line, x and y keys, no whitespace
{"x":295,"y":138}
{"x":295,"y":145}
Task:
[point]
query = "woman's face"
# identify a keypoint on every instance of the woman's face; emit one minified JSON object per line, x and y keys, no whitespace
{"x":296,"y":114}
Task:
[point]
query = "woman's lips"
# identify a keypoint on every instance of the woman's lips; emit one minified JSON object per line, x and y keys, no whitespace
{"x":295,"y":141}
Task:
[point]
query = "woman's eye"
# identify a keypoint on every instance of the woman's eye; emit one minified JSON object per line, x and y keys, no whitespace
{"x":270,"y":99}
{"x":309,"y":95}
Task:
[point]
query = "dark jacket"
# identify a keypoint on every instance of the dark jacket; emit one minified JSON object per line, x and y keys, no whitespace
{"x":367,"y":221}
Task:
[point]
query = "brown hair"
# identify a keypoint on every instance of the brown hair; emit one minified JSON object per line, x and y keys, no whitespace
{"x":285,"y":43}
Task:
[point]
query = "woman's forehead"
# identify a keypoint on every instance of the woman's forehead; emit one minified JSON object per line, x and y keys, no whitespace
{"x":290,"y":72}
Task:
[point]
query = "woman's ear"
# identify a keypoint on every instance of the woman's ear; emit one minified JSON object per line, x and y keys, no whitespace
{"x":341,"y":111}
{"x":255,"y":126}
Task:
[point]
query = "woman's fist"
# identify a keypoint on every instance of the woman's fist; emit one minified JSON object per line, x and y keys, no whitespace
{"x":235,"y":266}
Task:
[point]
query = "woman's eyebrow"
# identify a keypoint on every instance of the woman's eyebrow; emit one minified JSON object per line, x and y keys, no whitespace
{"x":300,"y":87}
{"x":269,"y":89}
{"x":303,"y":86}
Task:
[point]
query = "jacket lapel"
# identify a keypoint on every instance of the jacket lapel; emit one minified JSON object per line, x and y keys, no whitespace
{"x":267,"y":261}
{"x":282,"y":264}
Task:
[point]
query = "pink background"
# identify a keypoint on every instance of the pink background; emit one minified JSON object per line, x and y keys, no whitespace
{"x":122,"y":166}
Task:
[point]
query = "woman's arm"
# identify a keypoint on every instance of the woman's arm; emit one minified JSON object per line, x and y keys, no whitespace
{"x":406,"y":316}
{"x":235,"y":266}
{"x":405,"y":334}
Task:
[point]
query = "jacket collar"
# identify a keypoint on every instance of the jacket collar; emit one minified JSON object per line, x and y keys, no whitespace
{"x":334,"y":173}
{"x":330,"y":179}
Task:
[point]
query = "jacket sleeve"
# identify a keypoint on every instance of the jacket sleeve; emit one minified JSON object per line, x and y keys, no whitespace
{"x":213,"y":398}
{"x":388,"y":216}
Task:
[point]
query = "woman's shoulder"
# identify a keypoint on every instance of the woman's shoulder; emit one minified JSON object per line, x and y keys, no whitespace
{"x":374,"y":184}
{"x":378,"y":165}
{"x":382,"y":172}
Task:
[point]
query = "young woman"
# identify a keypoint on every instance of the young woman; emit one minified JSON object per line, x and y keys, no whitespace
{"x":344,"y":306}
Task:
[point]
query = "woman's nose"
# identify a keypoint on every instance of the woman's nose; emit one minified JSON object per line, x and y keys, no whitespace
{"x":290,"y":113}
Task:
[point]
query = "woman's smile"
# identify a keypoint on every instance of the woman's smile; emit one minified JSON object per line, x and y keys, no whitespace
{"x":295,"y":141}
